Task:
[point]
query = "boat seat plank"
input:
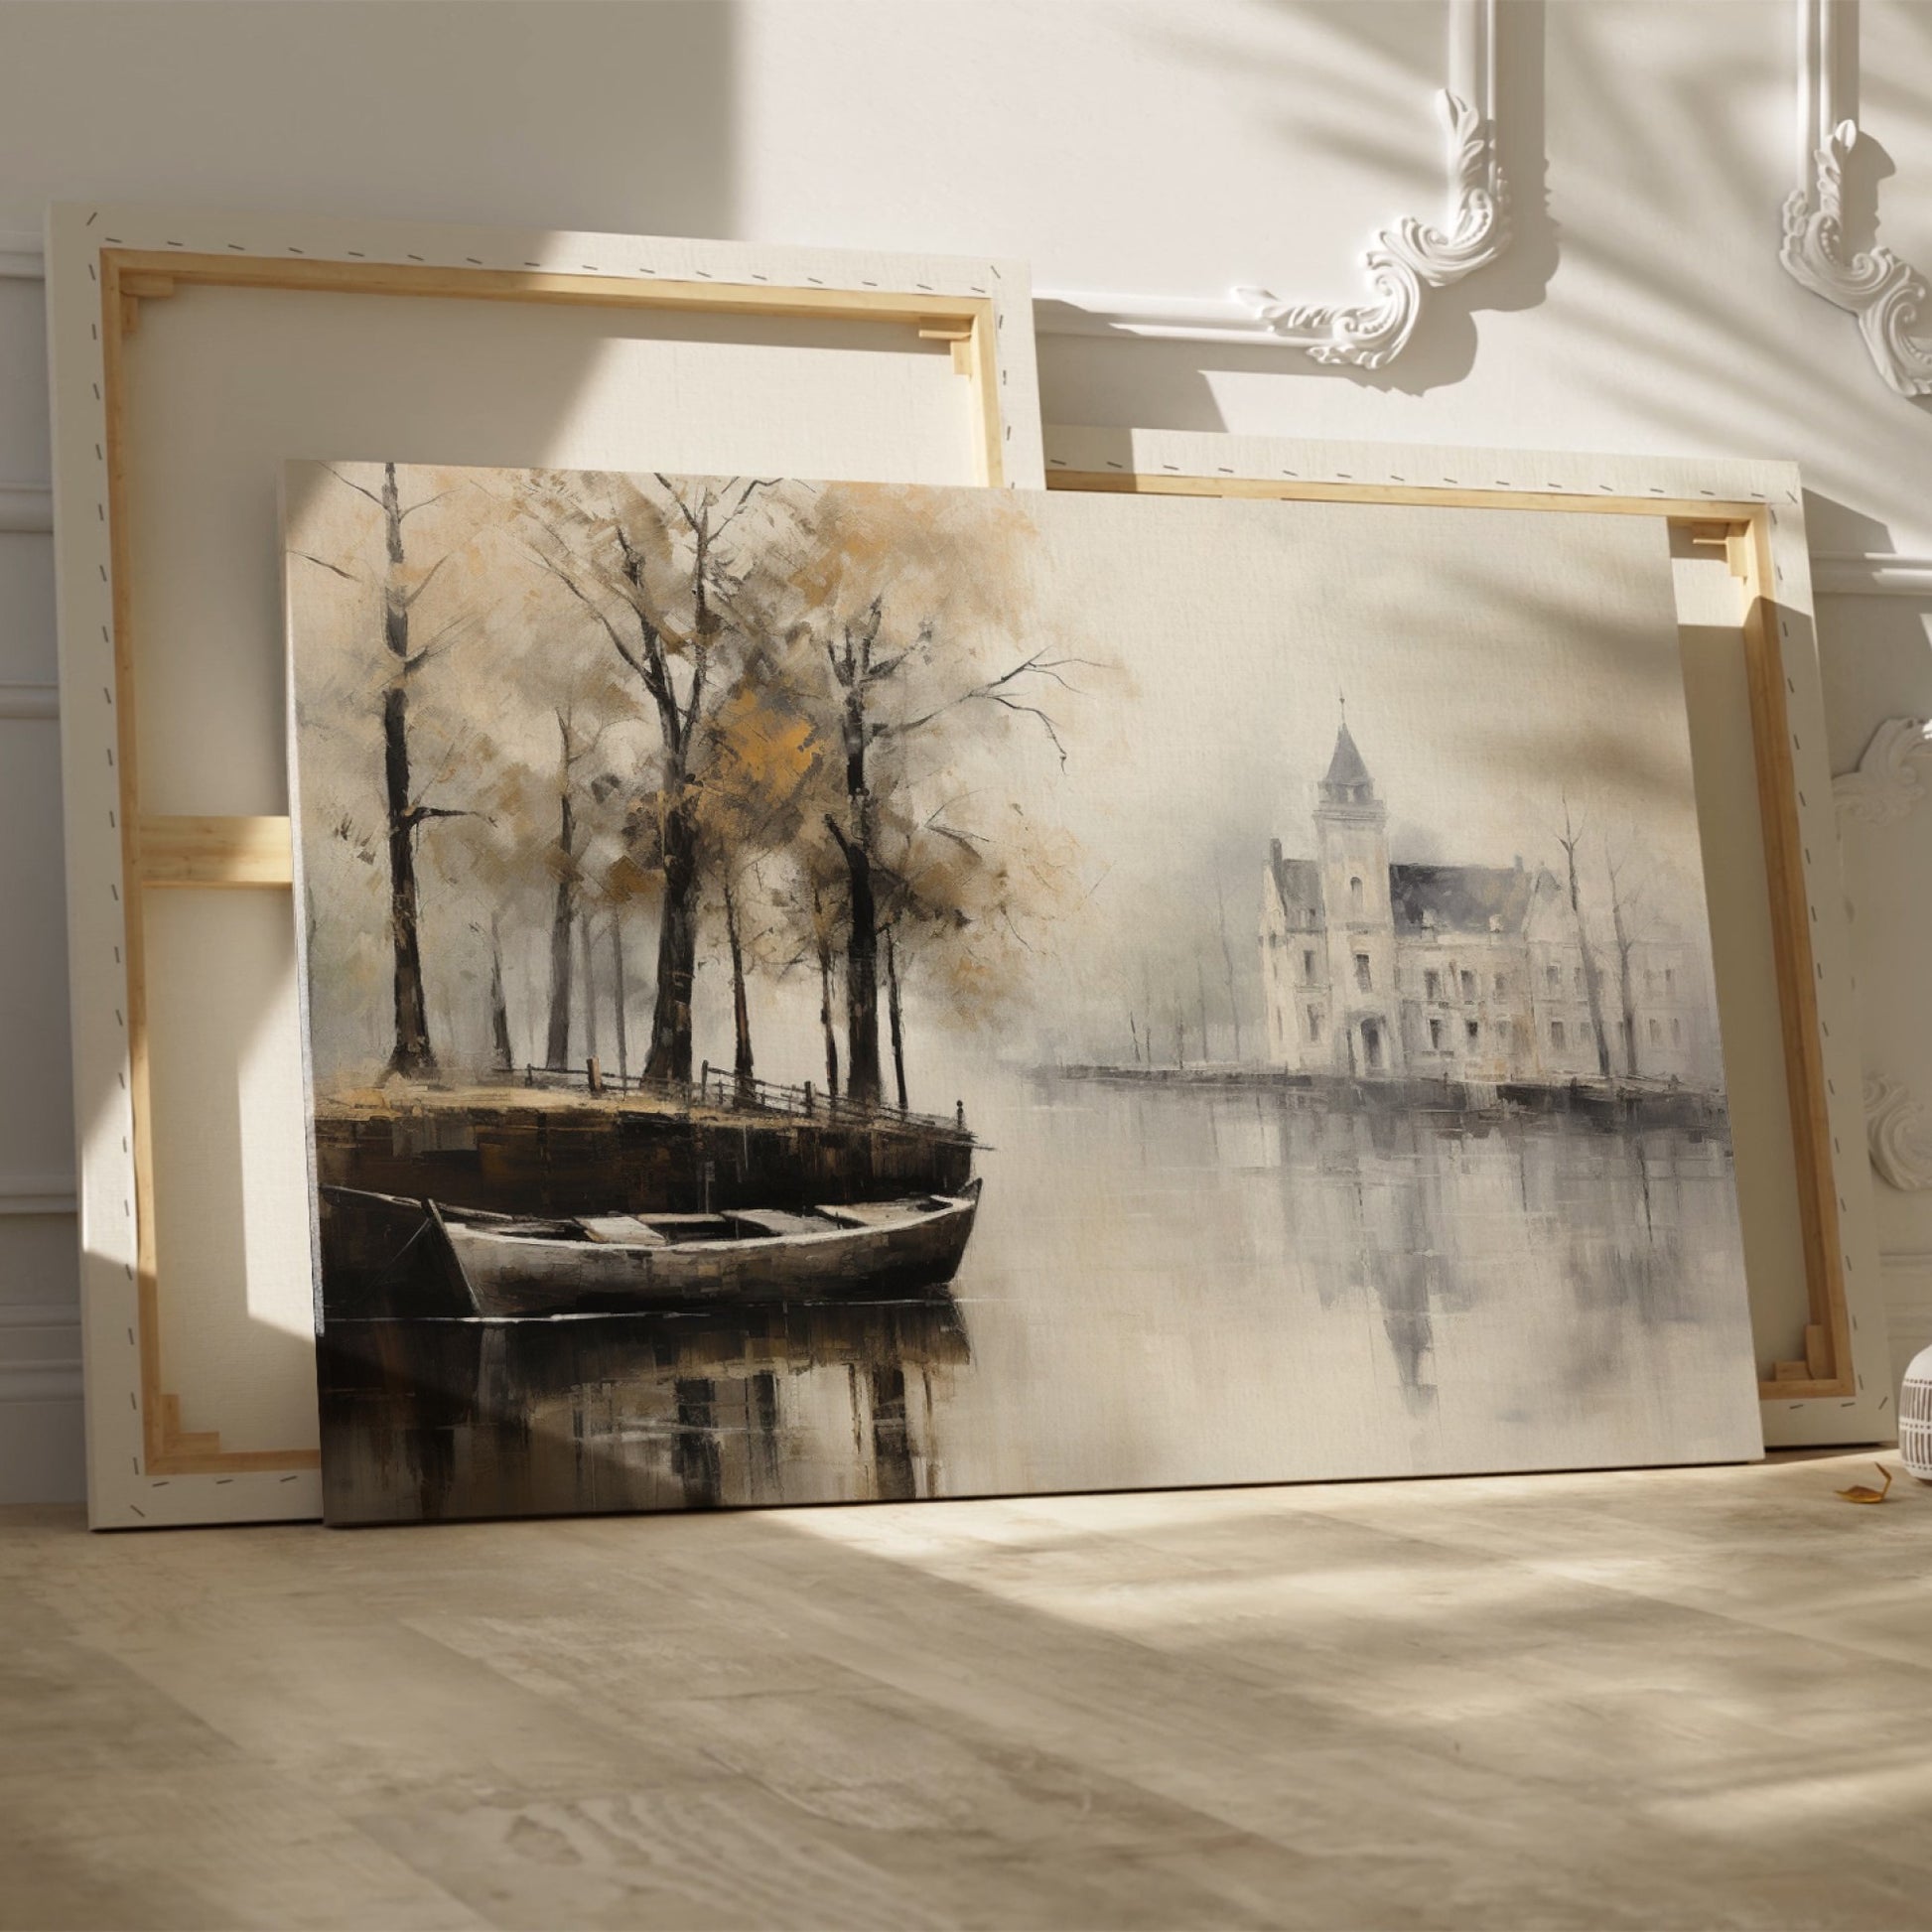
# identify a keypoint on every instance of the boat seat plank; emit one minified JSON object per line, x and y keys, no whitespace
{"x":774,"y":1221}
{"x":622,"y":1230}
{"x":874,"y":1213}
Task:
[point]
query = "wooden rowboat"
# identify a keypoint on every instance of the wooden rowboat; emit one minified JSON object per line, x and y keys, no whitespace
{"x":516,"y":1265}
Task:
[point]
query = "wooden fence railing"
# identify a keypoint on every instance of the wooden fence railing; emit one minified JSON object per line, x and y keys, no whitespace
{"x":717,"y":1087}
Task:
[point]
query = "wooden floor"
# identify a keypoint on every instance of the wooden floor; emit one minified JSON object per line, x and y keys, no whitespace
{"x":1688,"y":1699}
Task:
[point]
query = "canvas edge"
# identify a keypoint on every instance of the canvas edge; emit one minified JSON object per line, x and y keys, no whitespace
{"x":120,"y":1493}
{"x":1866,"y":1415}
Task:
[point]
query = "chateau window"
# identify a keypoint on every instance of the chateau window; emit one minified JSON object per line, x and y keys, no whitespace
{"x":1552,"y":977}
{"x":1308,"y":965}
{"x":1578,"y":976}
{"x":1502,"y":984}
{"x":1656,"y":1033}
{"x":1469,"y":985}
{"x":1472,"y":1031}
{"x":1502,"y":1030}
{"x":1436,"y":1035}
{"x":1650,"y":980}
{"x":1362,"y":979}
{"x":1357,"y":896}
{"x":1676,"y":1032}
{"x":1556,"y":1034}
{"x":1314,"y":1025}
{"x":1432,"y":985}
{"x":1670,"y":979}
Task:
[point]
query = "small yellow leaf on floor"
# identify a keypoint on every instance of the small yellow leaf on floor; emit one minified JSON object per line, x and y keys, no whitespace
{"x":1861,"y":1493}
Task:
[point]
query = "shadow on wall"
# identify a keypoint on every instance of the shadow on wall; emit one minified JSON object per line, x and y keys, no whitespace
{"x":615,"y":119}
{"x":1443,"y":348}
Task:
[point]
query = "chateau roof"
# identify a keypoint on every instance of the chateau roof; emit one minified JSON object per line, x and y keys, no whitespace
{"x":1298,"y":881}
{"x":1460,"y":899}
{"x":1346,"y":766}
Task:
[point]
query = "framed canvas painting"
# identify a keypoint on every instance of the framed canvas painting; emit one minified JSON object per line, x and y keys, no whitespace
{"x":192,"y":351}
{"x":821,"y":992}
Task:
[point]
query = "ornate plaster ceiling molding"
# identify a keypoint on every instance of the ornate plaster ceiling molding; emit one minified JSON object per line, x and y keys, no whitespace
{"x":1406,"y":262}
{"x":1898,"y":1131}
{"x":1887,"y":784}
{"x":1887,"y":295}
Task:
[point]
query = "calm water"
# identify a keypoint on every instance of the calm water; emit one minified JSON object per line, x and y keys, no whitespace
{"x":1166,"y":1286}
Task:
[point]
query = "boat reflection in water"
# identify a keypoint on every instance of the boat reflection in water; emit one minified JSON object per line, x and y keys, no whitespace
{"x":446,"y":1416}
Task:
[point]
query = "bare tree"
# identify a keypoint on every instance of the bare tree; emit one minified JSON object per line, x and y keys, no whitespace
{"x":1227,"y":963}
{"x":624,"y":563}
{"x":1625,"y":912}
{"x":405,"y":802}
{"x":859,"y":669}
{"x":1569,"y":838}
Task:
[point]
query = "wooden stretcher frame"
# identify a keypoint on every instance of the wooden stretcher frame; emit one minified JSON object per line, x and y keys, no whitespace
{"x":145,"y":1468}
{"x":1752,"y":513}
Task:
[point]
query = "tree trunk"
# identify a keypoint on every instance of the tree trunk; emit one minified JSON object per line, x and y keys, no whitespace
{"x":411,"y":1054}
{"x":616,"y":968}
{"x":741,"y":1006}
{"x":677,"y":948}
{"x":1592,"y":979}
{"x":825,"y":1001}
{"x":563,"y":916}
{"x":893,"y":1012}
{"x":1626,"y":993}
{"x":499,"y":1012}
{"x":861,"y":933}
{"x":1227,"y":962}
{"x":590,"y":988}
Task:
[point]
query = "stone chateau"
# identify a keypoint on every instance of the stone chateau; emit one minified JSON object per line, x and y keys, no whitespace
{"x":1477,"y":973}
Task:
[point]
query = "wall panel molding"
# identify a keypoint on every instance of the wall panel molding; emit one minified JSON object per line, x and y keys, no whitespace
{"x":1406,"y":262}
{"x":39,"y":1351}
{"x":27,"y":508}
{"x":1885,"y":293}
{"x":37,"y":1193}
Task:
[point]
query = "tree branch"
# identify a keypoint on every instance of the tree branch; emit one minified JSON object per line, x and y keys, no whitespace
{"x":347,"y":484}
{"x":347,"y":577}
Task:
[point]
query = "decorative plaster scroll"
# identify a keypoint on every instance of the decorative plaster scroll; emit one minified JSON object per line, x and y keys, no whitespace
{"x":1887,"y":295}
{"x":1404,"y":262}
{"x":1887,"y":784}
{"x":1898,"y":1131}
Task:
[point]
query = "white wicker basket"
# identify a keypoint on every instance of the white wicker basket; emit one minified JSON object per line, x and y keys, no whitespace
{"x":1916,"y":1417}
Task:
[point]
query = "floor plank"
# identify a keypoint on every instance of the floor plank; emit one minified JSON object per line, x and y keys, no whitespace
{"x":1662,"y":1698}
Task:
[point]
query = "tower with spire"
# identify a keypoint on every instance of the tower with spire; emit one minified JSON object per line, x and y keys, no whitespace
{"x":1352,"y":832}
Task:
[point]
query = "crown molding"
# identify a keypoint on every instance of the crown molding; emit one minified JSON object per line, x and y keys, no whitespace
{"x":1406,"y":262}
{"x":1887,"y":294}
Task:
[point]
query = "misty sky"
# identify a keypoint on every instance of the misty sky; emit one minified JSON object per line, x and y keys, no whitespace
{"x":1492,"y":660}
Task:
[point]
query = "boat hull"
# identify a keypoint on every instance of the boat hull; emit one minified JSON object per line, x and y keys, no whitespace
{"x":511,"y":1274}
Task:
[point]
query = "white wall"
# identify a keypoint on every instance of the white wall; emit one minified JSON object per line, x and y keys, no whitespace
{"x":1146,"y":145}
